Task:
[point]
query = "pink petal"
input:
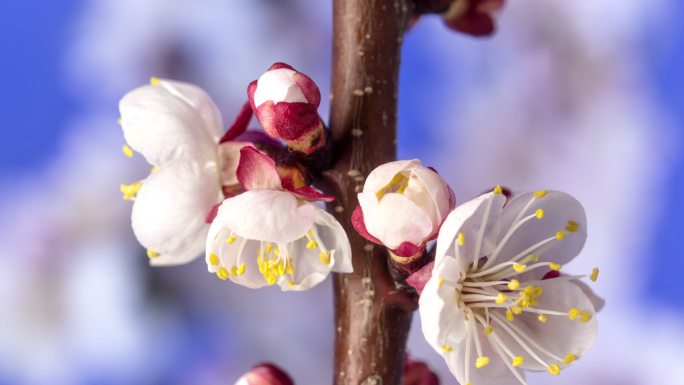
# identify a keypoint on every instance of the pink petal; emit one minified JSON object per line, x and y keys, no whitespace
{"x":360,"y":226}
{"x":309,"y":88}
{"x":257,"y":171}
{"x":239,"y":126}
{"x":280,"y":65}
{"x":408,"y":249}
{"x":288,"y":121}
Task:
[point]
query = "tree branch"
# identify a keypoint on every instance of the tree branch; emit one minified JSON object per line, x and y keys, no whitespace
{"x":372,"y":312}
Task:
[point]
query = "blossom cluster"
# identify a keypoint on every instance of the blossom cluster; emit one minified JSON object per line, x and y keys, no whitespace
{"x":493,"y":301}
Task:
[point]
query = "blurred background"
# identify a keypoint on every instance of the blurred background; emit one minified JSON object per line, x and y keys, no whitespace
{"x":582,"y":96}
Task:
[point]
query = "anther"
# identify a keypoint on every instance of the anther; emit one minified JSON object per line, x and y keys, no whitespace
{"x":594,"y":274}
{"x":461,"y":239}
{"x":241,"y":269}
{"x":155,"y":81}
{"x":560,"y":235}
{"x":573,"y":313}
{"x":223,"y":273}
{"x":488,"y":330}
{"x":540,"y":193}
{"x":517,"y":361}
{"x":539,"y":213}
{"x":584,"y":316}
{"x":514,"y":284}
{"x":519,"y":268}
{"x":569,"y":358}
{"x":324,"y":257}
{"x":554,"y":266}
{"x":311,"y":244}
{"x":152,"y":253}
{"x":231,"y":239}
{"x":440,"y":282}
{"x":213,"y":259}
{"x":481,"y":362}
{"x":572,"y":226}
{"x":127,"y":151}
{"x":498,"y":190}
{"x":554,"y":369}
{"x":542,"y":318}
{"x":501,"y":298}
{"x":509,"y":315}
{"x":447,"y":348}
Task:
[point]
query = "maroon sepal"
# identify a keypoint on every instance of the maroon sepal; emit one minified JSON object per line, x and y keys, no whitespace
{"x":551,"y":275}
{"x":257,"y":170}
{"x":419,"y":278}
{"x":418,"y":373}
{"x":360,"y":226}
{"x":212,"y":213}
{"x":280,"y":65}
{"x":239,"y":126}
{"x":408,"y":250}
{"x":478,"y":18}
{"x":311,"y":194}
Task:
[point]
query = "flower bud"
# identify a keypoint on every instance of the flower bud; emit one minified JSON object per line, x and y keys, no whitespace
{"x":285,"y":102}
{"x":474,"y":17}
{"x":402,"y":206}
{"x":265,"y":374}
{"x":418,"y":373}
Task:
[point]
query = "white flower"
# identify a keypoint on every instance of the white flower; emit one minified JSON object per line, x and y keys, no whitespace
{"x":496,"y":303}
{"x":176,"y":127}
{"x":402,"y":206}
{"x":268,"y":235}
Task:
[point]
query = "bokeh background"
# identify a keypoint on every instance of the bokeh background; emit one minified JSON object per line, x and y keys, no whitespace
{"x":583,"y":96}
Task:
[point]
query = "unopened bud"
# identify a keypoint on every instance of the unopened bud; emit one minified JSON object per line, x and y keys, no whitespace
{"x":286,"y":103}
{"x":265,"y":374}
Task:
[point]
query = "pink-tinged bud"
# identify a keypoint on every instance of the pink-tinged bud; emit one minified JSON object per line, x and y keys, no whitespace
{"x":286,"y":103}
{"x":402,"y":206}
{"x":474,"y":17}
{"x":418,"y":373}
{"x":265,"y":374}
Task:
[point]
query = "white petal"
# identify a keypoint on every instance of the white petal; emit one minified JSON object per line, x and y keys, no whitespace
{"x":559,"y":335}
{"x":278,"y":86}
{"x":467,"y":219}
{"x":441,"y":320}
{"x":383,"y":174}
{"x":558,"y":208}
{"x":496,"y":373}
{"x":165,"y":128}
{"x":334,"y":237}
{"x":200,"y":102}
{"x":170,"y":210}
{"x":436,"y":191}
{"x":266,"y":215}
{"x":597,"y":301}
{"x":395,"y":219}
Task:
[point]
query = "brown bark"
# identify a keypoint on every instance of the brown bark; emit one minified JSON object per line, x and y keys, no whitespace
{"x":372,"y":312}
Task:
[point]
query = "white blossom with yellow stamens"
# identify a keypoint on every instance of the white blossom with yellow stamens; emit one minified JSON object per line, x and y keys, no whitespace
{"x":266,"y":237}
{"x":176,"y":127}
{"x":496,"y":304}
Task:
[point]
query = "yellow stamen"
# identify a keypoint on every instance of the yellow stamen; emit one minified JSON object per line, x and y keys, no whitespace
{"x":540,"y":193}
{"x":554,"y":369}
{"x":213,"y":259}
{"x":231,"y":239}
{"x":501,"y":298}
{"x":241,"y":269}
{"x":554,"y":266}
{"x":509,"y":315}
{"x":311,"y":244}
{"x":517,"y":361}
{"x":498,"y":190}
{"x":155,"y":81}
{"x":519,"y":268}
{"x":560,"y":235}
{"x":481,"y":362}
{"x":223,"y":273}
{"x":573,"y":313}
{"x":542,"y":318}
{"x":130,"y":191}
{"x":594,"y":274}
{"x":461,"y":239}
{"x":514,"y":284}
{"x":324,"y":257}
{"x":152,"y":253}
{"x":440,"y":282}
{"x":447,"y":349}
{"x":269,"y":247}
{"x":127,"y":151}
{"x":584,"y":316}
{"x":539,"y":213}
{"x":517,"y":310}
{"x":290,"y":283}
{"x":572,"y":226}
{"x":569,"y":358}
{"x":488,"y":330}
